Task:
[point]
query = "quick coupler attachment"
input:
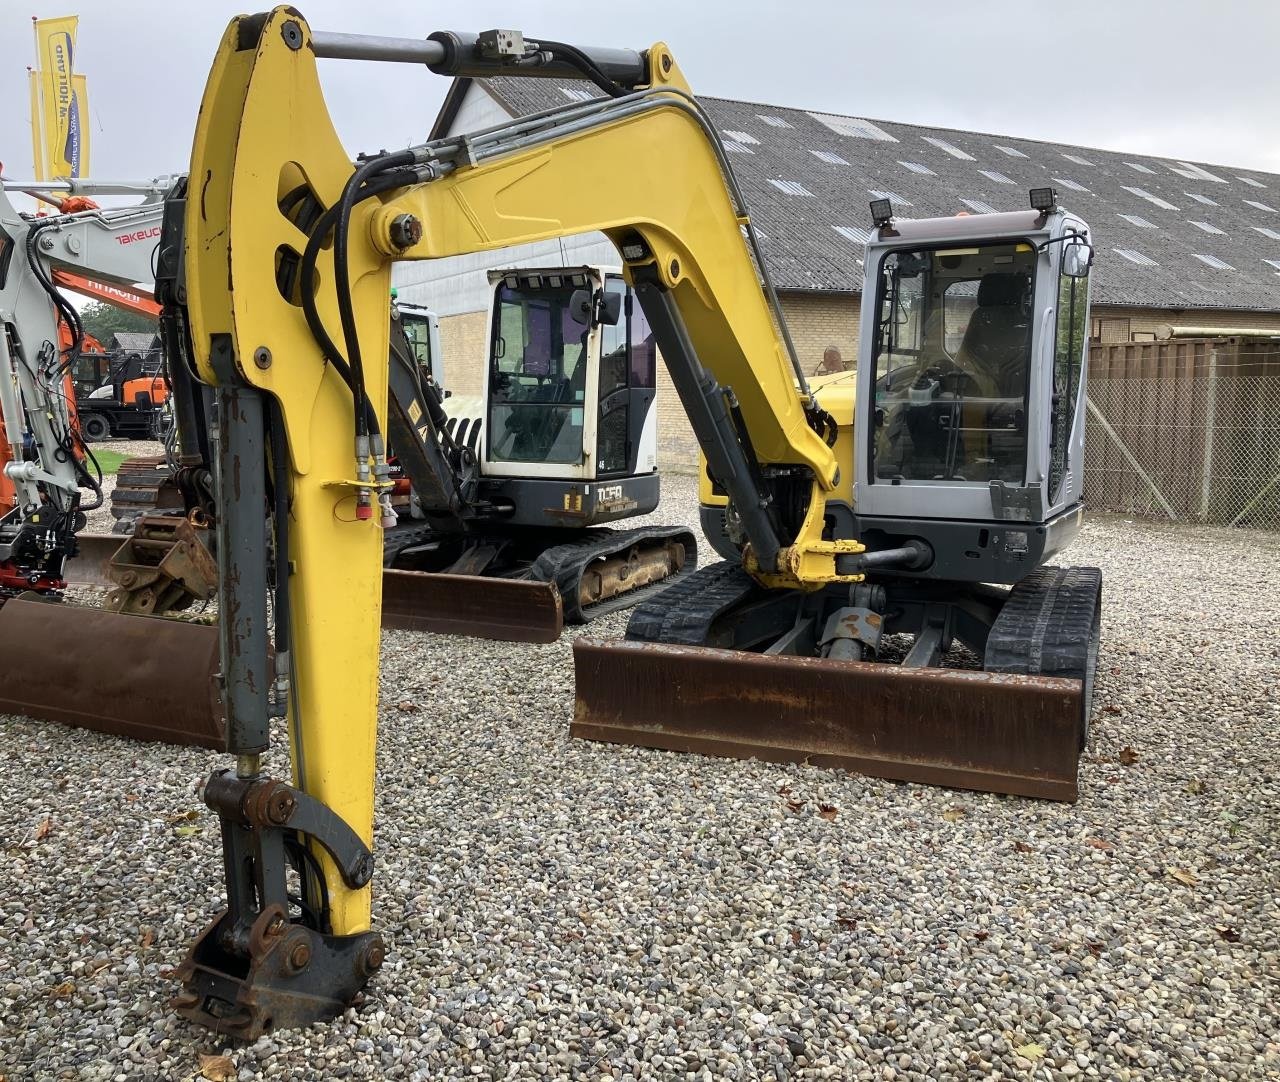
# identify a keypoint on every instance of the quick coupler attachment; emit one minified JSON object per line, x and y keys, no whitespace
{"x":270,"y":961}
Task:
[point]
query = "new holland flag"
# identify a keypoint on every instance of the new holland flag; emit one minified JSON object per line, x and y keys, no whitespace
{"x":59,"y":105}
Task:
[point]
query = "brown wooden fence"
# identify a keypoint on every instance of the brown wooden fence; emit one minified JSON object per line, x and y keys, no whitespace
{"x":1186,"y":429}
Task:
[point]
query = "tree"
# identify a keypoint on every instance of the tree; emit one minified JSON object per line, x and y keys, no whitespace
{"x":103,"y":320}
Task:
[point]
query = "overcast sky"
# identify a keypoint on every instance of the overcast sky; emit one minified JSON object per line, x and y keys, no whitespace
{"x":1190,"y":79}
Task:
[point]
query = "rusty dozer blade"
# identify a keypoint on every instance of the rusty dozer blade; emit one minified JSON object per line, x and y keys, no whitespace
{"x":89,"y":566}
{"x":142,"y":677}
{"x":992,"y":732}
{"x":509,"y":610}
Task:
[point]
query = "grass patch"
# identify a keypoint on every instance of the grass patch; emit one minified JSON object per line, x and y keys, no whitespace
{"x":109,"y":461}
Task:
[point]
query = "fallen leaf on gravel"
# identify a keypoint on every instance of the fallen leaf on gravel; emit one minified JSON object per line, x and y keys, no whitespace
{"x":1227,"y":932}
{"x":980,"y":936}
{"x":407,"y":707}
{"x":1128,"y":756}
{"x":184,"y":817}
{"x":62,"y":990}
{"x":148,"y":937}
{"x":1096,"y":949}
{"x":796,"y":935}
{"x":1111,"y":708}
{"x":795,"y":805}
{"x":1195,"y":787}
{"x":1099,"y":843}
{"x":217,"y":1068}
{"x":847,"y":923}
{"x":1183,"y":876}
{"x":955,"y":813}
{"x":827,"y":811}
{"x":1032,"y":1052}
{"x":187,"y":830}
{"x":44,"y":829}
{"x":1023,"y":847}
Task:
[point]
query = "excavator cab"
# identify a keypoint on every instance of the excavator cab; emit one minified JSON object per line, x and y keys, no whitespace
{"x":970,"y":408}
{"x":569,"y":394}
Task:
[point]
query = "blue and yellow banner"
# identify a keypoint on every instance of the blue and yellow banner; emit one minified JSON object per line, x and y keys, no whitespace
{"x":59,"y":119}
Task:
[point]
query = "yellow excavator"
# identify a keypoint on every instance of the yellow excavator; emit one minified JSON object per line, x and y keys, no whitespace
{"x":854,"y":524}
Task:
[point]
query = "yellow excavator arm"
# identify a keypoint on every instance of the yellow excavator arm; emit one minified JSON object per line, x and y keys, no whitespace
{"x":288,"y":254}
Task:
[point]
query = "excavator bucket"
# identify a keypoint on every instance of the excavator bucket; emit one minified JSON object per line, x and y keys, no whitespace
{"x":509,"y":610}
{"x":135,"y":676}
{"x":90,"y":564}
{"x":996,"y":733}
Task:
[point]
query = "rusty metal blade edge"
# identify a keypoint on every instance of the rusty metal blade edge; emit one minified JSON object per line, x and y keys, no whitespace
{"x":508,"y":610}
{"x":1015,"y":735}
{"x":134,"y":676}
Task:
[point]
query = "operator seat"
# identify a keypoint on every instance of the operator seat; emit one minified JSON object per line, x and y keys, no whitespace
{"x":997,"y":341}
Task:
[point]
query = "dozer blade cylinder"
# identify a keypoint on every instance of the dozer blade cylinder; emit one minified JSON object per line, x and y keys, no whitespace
{"x":996,"y":733}
{"x":137,"y":676}
{"x":509,"y":610}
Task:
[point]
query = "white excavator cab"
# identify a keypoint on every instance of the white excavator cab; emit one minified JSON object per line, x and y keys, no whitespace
{"x":569,"y":384}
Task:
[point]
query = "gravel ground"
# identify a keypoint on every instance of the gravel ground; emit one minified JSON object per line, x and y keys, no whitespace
{"x":561,"y":909}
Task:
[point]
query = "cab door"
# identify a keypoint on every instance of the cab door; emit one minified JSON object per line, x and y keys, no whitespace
{"x":625,"y":428}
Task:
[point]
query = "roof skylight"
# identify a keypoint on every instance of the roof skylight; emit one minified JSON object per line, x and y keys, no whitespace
{"x":1261,"y":206}
{"x":1071,"y":184}
{"x":854,"y":233}
{"x":950,"y":148}
{"x":1134,"y":219}
{"x":791,"y":187}
{"x":1213,"y":261}
{"x":1077,"y":159}
{"x":736,"y":148}
{"x":742,"y":137}
{"x":1141,"y":168}
{"x":893,"y":197}
{"x":1200,"y":198}
{"x":829,"y":156}
{"x":978,"y":207}
{"x":1251,"y":182}
{"x":576,"y":93}
{"x":917,"y":167}
{"x":1013,"y":152}
{"x":1144,"y":194}
{"x":1270,"y":234}
{"x":1135,"y":257}
{"x":1194,"y":172}
{"x":1208,"y":228}
{"x":774,"y":121}
{"x":991,"y":174}
{"x":1275,"y":263}
{"x":854,"y":127}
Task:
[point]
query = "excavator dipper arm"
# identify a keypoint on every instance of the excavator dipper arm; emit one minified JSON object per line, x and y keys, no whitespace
{"x":298,"y":358}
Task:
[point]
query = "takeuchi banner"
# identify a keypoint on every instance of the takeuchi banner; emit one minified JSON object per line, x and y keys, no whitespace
{"x":64,"y":133}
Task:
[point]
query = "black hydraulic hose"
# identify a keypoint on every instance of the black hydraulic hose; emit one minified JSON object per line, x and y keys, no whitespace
{"x":308,"y":285}
{"x":342,"y":273}
{"x":571,"y":54}
{"x":280,"y":501}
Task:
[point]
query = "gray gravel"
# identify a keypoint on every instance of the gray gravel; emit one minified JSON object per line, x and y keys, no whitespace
{"x":560,"y":909}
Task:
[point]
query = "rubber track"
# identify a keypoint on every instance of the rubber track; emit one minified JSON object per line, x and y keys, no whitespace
{"x":564,"y":565}
{"x":1046,"y":625}
{"x":685,"y":613}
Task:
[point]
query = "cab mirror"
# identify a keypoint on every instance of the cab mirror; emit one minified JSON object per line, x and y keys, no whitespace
{"x":610,"y":308}
{"x":1077,"y":258}
{"x":580,"y":307}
